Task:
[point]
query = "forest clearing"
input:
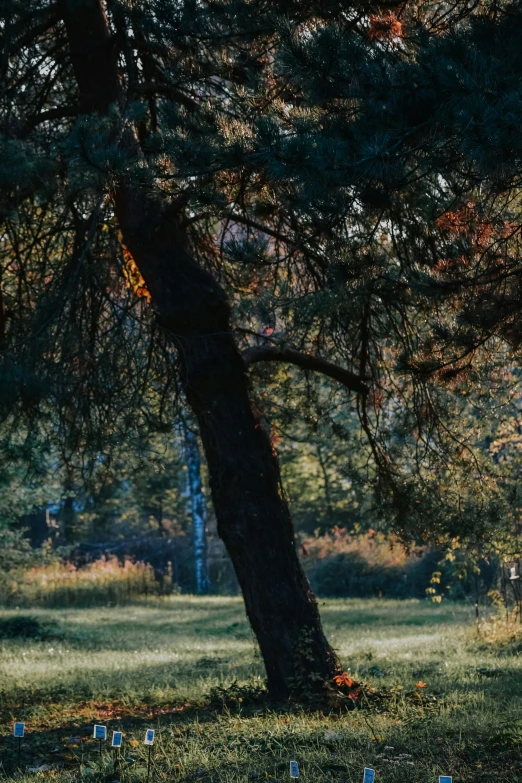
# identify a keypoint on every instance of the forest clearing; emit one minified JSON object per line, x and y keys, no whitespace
{"x":260,"y":407}
{"x":452,"y":705}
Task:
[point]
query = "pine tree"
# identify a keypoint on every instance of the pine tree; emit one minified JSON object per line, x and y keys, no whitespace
{"x":119,"y":129}
{"x":194,"y":191}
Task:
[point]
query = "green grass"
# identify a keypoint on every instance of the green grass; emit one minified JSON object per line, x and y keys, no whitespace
{"x":153,"y":664}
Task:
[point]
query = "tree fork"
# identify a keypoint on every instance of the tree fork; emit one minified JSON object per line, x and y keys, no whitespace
{"x":253,"y":517}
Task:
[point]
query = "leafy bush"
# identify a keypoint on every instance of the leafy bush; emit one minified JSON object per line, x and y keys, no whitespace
{"x":104,"y":581}
{"x":24,"y":627}
{"x":341,"y":565}
{"x":237,"y":695}
{"x":16,"y":551}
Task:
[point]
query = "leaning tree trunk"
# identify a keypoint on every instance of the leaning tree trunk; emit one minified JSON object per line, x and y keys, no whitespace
{"x":253,"y":517}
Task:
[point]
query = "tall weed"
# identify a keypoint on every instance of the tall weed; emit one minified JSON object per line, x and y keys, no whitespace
{"x":62,"y":584}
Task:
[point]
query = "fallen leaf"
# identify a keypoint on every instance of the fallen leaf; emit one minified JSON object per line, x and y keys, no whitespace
{"x":343,"y":679}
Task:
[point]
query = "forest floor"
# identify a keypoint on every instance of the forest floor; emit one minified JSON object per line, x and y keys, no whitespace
{"x":454,"y":703}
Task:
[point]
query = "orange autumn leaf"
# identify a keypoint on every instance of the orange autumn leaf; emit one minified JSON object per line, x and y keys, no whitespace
{"x":465,"y":222}
{"x":343,"y":679}
{"x":421,"y":684}
{"x":385,"y":26}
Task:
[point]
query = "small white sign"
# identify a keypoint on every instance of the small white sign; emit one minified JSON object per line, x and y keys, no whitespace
{"x":19,"y":729}
{"x":294,"y":769}
{"x":445,"y":779}
{"x":369,"y":775}
{"x":117,"y":739}
{"x":149,"y":737}
{"x":100,"y":732}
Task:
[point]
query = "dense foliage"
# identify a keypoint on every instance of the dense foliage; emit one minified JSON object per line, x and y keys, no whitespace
{"x":191,"y":190}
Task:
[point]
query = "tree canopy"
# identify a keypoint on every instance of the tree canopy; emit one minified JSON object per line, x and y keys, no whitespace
{"x":194,"y":191}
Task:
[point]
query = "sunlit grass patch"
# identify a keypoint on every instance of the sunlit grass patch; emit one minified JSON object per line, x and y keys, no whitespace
{"x":155,"y":663}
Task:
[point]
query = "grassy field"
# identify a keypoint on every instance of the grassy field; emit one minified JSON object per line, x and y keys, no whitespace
{"x":153,"y":664}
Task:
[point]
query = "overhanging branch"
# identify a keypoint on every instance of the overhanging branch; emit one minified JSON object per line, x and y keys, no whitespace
{"x":63,"y":112}
{"x":271,"y":353}
{"x":168,"y":91}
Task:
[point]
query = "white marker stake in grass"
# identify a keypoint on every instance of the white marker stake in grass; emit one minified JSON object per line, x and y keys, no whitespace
{"x":117,"y":739}
{"x":369,"y":775}
{"x":294,"y":769}
{"x":100,"y":733}
{"x":149,"y":740}
{"x":18,"y":732}
{"x":445,"y":779}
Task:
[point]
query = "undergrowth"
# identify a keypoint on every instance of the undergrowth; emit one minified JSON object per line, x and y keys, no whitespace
{"x":106,"y":581}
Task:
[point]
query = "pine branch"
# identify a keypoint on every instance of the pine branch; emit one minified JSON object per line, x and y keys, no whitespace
{"x":52,"y":114}
{"x":23,"y":34}
{"x":278,"y":235}
{"x":166,"y":91}
{"x":268,"y":353}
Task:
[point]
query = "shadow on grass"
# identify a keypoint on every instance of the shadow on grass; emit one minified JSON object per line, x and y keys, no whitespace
{"x":201,"y":744}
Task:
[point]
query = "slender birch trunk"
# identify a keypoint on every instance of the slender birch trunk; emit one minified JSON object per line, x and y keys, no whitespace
{"x":198,"y":510}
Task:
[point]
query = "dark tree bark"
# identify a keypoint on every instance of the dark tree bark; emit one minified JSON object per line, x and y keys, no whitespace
{"x":37,"y":524}
{"x":253,"y":517}
{"x":68,"y":519}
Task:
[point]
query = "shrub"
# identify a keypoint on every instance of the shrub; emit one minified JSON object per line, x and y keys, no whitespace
{"x":104,"y":581}
{"x":24,"y":627}
{"x":341,"y":565}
